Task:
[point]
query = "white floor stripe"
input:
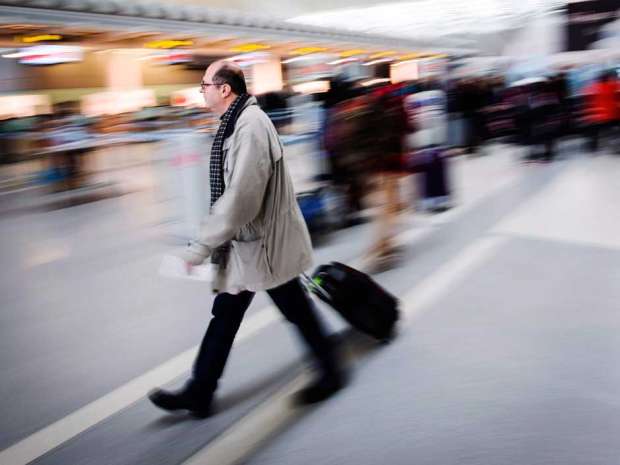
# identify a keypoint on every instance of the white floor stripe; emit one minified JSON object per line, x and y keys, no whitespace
{"x":424,"y":293}
{"x":247,"y":435}
{"x":70,"y":426}
{"x":578,"y":207}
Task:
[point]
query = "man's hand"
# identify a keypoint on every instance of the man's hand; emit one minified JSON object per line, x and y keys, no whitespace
{"x":193,"y":255}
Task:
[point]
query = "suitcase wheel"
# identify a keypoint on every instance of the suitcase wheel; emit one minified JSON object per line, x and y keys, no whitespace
{"x":390,"y":337}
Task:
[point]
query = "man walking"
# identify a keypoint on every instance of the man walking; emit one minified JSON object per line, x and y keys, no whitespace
{"x":256,"y":236}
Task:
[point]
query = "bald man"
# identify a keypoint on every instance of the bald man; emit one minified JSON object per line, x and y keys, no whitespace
{"x":258,"y":240}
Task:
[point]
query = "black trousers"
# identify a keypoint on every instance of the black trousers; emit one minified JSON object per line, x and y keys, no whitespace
{"x":548,"y":144}
{"x":228,"y":311}
{"x":597,"y":130}
{"x":474,"y":131}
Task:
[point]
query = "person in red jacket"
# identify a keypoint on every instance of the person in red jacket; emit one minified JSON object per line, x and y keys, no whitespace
{"x":602,"y":100}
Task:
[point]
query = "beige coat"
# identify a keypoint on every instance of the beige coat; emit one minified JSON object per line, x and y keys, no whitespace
{"x":258,"y":211}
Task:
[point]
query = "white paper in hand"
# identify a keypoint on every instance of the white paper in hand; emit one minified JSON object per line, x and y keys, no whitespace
{"x":175,"y":267}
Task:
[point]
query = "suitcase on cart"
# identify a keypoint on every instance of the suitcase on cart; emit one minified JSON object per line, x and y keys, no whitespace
{"x":314,"y":210}
{"x":322,"y":208}
{"x":357,"y":298}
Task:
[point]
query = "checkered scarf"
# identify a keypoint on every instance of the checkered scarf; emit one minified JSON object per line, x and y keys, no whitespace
{"x":216,"y":165}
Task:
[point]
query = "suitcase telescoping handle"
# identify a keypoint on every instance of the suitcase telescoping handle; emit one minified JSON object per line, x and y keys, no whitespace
{"x":314,"y":286}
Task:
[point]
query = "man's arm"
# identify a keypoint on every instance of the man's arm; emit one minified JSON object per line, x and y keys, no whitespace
{"x":243,"y":197}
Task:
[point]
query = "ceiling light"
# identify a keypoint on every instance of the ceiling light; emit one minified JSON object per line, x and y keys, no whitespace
{"x":342,"y":60}
{"x":372,"y":82}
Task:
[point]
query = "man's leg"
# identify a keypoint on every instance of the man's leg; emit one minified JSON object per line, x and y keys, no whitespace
{"x":228,"y":311}
{"x":594,"y":137}
{"x":616,"y":137}
{"x":469,"y":134}
{"x":384,"y":253}
{"x":610,"y":137}
{"x":549,"y":144}
{"x":292,"y":300}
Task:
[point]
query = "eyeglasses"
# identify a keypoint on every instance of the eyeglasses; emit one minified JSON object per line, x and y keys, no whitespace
{"x":205,"y":85}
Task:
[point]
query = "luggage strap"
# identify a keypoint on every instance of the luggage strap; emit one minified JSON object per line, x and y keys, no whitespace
{"x":314,"y":286}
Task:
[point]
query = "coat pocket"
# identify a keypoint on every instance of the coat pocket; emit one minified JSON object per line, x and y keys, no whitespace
{"x":250,"y":232}
{"x":252,"y":261}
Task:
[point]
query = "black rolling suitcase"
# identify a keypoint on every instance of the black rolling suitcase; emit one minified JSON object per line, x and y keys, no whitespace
{"x":359,"y":300}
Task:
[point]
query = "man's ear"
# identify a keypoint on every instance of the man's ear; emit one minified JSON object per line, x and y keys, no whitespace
{"x":226,"y":90}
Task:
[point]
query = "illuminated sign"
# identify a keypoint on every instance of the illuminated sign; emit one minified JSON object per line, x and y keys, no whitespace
{"x":388,"y":53}
{"x":250,"y":48}
{"x":39,"y":38}
{"x":410,"y":56}
{"x":307,"y":50}
{"x":169,"y":43}
{"x":353,"y":52}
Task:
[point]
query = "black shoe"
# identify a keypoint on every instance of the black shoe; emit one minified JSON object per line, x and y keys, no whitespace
{"x":180,"y":400}
{"x":320,"y":390}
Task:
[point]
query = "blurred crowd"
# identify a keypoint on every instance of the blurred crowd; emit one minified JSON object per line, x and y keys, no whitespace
{"x":376,"y":135}
{"x":370,"y":135}
{"x":535,"y":112}
{"x":60,"y":141}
